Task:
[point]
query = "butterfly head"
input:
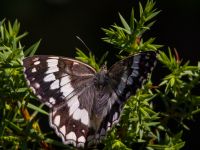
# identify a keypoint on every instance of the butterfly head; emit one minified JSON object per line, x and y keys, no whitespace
{"x":103,"y":68}
{"x":101,"y":77}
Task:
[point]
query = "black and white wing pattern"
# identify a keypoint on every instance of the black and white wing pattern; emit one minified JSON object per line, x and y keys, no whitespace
{"x":85,"y":104}
{"x":66,"y":86}
{"x":125,"y":77}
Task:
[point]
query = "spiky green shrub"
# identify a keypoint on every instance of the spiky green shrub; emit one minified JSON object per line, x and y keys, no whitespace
{"x":145,"y":121}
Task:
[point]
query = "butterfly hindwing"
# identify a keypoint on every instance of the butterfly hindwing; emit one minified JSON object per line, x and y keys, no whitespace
{"x":72,"y":121}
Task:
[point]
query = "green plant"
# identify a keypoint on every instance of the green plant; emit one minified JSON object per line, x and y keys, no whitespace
{"x":19,"y":128}
{"x":143,"y":124}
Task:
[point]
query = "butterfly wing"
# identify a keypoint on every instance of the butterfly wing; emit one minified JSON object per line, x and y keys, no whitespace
{"x":66,"y":86}
{"x":72,"y":121}
{"x":125,"y":77}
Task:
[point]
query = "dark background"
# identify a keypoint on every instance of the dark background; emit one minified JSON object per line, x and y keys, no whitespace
{"x":57,"y":22}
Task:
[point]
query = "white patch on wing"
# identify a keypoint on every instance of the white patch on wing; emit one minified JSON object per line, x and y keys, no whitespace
{"x":49,"y":77}
{"x":54,"y":57}
{"x":124,"y":78}
{"x":52,"y":62}
{"x":35,"y":59}
{"x":79,"y":62}
{"x":39,"y":96}
{"x":135,"y":66}
{"x":33,"y":70}
{"x":57,"y":120}
{"x":32,"y":79}
{"x":66,"y":89}
{"x":52,"y":70}
{"x":36,"y":85}
{"x":81,"y":114}
{"x":108,"y":126}
{"x":63,"y":130}
{"x":84,"y":117}
{"x":28,"y":82}
{"x":73,"y":104}
{"x":71,"y":136}
{"x":33,"y":90}
{"x":54,"y":85}
{"x":81,"y":139}
{"x":75,"y":63}
{"x":115,"y":116}
{"x":36,"y":63}
{"x":54,"y":112}
{"x":78,"y":114}
{"x":64,"y":80}
{"x":135,"y":73}
{"x":83,"y":131}
{"x":52,"y":100}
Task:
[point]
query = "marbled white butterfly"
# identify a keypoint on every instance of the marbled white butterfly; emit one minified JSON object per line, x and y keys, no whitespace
{"x":85,"y":104}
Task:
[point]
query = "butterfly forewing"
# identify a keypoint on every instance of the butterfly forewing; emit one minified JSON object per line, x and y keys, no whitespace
{"x":127,"y":75}
{"x":85,"y":104}
{"x":52,"y":78}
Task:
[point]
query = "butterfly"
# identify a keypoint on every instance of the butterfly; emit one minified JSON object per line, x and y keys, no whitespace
{"x":84,"y":104}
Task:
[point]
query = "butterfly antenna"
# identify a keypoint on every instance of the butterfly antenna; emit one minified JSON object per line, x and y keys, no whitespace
{"x":83,"y":43}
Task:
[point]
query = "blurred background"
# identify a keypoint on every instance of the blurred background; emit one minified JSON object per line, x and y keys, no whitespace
{"x":58,"y":22}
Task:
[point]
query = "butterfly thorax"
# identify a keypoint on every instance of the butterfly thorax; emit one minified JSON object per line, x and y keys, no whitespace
{"x":101,"y":78}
